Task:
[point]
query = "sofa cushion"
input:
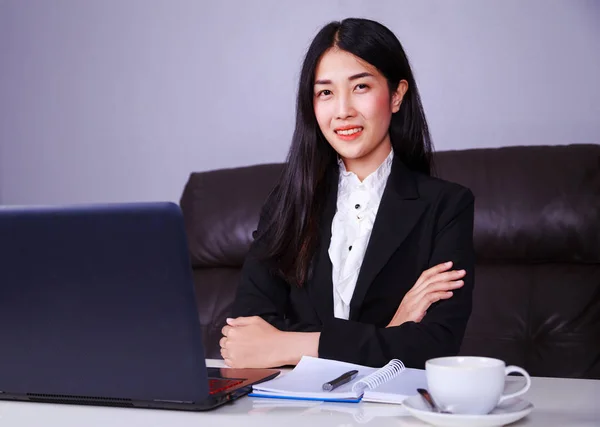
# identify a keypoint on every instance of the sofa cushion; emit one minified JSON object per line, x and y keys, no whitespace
{"x":543,"y":317}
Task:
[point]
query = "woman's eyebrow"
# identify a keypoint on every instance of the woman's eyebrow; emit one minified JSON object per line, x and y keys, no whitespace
{"x":353,"y":77}
{"x":360,"y":76}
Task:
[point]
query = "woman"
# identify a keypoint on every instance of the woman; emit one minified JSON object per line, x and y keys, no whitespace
{"x":360,"y":255}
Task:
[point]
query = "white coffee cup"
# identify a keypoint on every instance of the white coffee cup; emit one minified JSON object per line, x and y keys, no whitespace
{"x":470,"y":384}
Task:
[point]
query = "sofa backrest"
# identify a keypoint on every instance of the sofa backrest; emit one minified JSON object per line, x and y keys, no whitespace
{"x":537,"y":239}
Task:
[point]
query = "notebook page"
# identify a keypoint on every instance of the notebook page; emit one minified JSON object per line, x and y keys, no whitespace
{"x":399,"y":388}
{"x":307,"y":378}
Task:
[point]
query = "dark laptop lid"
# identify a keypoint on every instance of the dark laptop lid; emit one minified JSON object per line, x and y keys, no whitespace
{"x":98,"y":301}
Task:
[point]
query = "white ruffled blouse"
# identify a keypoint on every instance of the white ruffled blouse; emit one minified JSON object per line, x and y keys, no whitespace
{"x":357,"y":205}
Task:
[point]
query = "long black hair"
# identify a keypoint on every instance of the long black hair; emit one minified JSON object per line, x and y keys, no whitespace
{"x":296,"y":203}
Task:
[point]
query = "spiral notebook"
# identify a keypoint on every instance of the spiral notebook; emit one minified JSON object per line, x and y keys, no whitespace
{"x":390,"y":384}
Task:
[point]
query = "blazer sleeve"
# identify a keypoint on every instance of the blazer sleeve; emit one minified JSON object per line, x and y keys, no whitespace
{"x":261,"y":292}
{"x":441,"y":331}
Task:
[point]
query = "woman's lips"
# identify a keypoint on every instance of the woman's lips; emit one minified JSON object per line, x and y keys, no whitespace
{"x":349,"y":133}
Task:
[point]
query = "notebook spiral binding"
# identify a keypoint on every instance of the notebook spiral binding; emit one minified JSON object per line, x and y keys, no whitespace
{"x":379,"y":377}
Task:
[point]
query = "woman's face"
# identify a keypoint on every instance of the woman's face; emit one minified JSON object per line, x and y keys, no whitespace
{"x":354,"y":108}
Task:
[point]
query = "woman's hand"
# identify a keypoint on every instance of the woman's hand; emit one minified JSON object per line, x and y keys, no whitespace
{"x":251,"y":342}
{"x":433,"y":285}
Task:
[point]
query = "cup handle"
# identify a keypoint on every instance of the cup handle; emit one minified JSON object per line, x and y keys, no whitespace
{"x":511,"y":369}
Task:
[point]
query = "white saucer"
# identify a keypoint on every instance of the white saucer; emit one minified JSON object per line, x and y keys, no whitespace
{"x":505,"y":413}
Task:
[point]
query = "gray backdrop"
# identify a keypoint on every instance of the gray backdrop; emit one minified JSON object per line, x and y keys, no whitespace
{"x":119,"y":100}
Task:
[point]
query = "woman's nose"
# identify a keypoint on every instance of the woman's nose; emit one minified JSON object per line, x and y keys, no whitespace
{"x":345,"y":108}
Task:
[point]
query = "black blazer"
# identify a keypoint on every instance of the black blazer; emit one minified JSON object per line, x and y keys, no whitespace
{"x":422,"y":221}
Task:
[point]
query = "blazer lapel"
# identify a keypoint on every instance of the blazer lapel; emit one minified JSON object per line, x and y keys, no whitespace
{"x":320,"y":287}
{"x":399,"y":210}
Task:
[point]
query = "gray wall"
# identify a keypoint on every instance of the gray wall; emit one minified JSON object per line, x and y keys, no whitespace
{"x":119,"y":100}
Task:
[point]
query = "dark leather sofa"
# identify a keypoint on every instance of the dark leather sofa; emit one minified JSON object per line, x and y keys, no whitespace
{"x":537,"y":238}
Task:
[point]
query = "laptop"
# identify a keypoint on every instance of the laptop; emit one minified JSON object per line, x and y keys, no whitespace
{"x":97,"y":307}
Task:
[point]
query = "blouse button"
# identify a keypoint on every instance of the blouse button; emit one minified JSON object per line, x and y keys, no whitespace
{"x":356,"y":206}
{"x":349,"y":248}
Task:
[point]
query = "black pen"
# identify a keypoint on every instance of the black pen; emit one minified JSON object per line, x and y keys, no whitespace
{"x":342,"y":379}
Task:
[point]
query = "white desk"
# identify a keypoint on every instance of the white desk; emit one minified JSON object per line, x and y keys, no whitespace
{"x":558,"y":402}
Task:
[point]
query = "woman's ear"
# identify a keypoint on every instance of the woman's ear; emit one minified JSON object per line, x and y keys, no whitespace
{"x":398,"y":95}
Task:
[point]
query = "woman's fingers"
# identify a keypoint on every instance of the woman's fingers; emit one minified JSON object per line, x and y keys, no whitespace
{"x":224,"y":353}
{"x":434,"y":284}
{"x":440,"y":286}
{"x":225,"y":330}
{"x":448,"y":276}
{"x":436,"y":269}
{"x":429,"y":299}
{"x":433,"y":293}
{"x":436,"y":296}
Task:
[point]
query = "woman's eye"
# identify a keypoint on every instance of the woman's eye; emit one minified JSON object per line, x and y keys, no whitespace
{"x":361,"y":86}
{"x":325,"y":92}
